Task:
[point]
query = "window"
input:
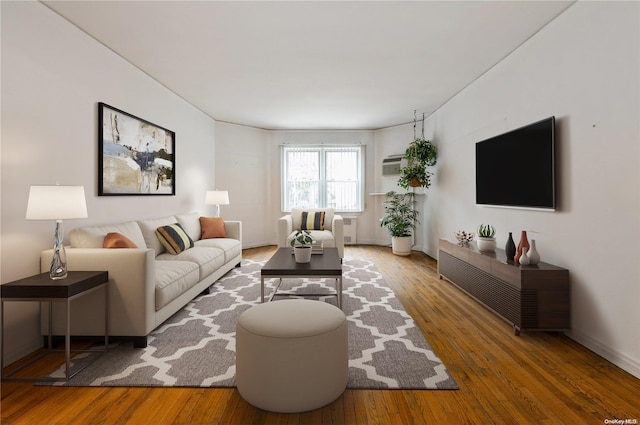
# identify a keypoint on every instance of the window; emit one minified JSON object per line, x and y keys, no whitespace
{"x":322,"y":177}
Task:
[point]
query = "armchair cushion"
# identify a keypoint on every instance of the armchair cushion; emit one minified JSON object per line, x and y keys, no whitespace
{"x":296,"y":215}
{"x":312,"y":220}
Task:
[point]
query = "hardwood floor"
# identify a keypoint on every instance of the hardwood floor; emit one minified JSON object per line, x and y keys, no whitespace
{"x":537,"y":378}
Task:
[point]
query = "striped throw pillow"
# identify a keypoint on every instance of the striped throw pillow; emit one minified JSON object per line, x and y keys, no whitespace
{"x":312,"y":220}
{"x":174,"y":238}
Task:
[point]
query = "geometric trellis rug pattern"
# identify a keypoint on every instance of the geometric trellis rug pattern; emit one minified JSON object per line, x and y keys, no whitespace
{"x":196,"y":347}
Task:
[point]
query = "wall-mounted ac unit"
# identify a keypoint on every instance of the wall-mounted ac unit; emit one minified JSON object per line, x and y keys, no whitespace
{"x":391,"y":165}
{"x":350,"y":230}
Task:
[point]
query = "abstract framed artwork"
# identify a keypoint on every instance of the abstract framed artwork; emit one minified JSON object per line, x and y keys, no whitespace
{"x":136,"y":157}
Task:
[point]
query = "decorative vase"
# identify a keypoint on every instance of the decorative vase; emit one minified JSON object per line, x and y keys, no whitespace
{"x":533,"y":254}
{"x":302,"y":253}
{"x":524,"y":243}
{"x":510,"y":247}
{"x":524,"y":259}
{"x":486,"y":244}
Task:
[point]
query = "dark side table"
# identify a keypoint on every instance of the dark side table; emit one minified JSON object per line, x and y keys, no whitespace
{"x":41,"y":288}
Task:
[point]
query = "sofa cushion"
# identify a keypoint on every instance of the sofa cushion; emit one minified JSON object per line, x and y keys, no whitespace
{"x":191,"y":224}
{"x":296,"y":217}
{"x":212,"y":227}
{"x":312,"y":220}
{"x":173,"y":278}
{"x":93,"y":237}
{"x":208,"y":259}
{"x":174,"y":238}
{"x":148,"y":228}
{"x":117,"y":240}
{"x":231,"y":247}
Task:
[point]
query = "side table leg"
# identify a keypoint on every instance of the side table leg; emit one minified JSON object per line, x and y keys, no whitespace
{"x":2,"y":338}
{"x":339,"y":288}
{"x":106,"y":316}
{"x":261,"y":289}
{"x":49,"y":343}
{"x":67,"y":342}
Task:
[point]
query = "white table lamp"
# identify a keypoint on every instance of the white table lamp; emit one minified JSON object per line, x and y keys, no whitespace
{"x":57,"y":203}
{"x":217,"y":198}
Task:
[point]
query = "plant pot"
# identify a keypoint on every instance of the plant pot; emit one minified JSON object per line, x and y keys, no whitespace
{"x":302,"y":253}
{"x":415,"y":182}
{"x":486,"y":244}
{"x":401,"y":245}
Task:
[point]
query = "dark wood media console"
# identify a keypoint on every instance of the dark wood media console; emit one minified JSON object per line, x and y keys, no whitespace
{"x":529,"y":297}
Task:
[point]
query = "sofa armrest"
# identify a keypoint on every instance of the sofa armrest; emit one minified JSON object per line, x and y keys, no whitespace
{"x":233,"y":229}
{"x":285,"y":227}
{"x":131,"y":292}
{"x":337,"y":228}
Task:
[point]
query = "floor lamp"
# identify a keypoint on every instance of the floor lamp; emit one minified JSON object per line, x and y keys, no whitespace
{"x":217,"y":198}
{"x":57,"y":203}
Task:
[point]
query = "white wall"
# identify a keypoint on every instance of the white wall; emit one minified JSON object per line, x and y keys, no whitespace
{"x":243,"y":167}
{"x":53,"y":75}
{"x":588,"y":79}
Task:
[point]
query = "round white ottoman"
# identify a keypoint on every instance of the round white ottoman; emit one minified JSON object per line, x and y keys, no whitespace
{"x":292,"y":355}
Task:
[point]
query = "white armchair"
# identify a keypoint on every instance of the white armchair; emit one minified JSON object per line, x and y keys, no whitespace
{"x":331,"y":237}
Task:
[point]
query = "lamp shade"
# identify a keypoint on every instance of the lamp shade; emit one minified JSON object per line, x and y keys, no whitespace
{"x":217,"y":197}
{"x":56,"y":203}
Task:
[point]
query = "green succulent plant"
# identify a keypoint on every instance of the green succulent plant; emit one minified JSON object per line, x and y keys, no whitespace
{"x":486,"y":231}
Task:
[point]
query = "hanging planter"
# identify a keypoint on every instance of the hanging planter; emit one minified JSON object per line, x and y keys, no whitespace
{"x":420,"y":154}
{"x":415,"y":182}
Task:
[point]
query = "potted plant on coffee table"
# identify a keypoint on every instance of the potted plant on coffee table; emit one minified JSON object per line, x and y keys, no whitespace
{"x":301,"y":244}
{"x":486,"y":237}
{"x":400,"y":218}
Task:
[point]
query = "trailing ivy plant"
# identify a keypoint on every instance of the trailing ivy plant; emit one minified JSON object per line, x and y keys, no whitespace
{"x":420,"y":154}
{"x":400,"y":214}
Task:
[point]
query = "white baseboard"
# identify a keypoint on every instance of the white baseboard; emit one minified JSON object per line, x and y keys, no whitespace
{"x":623,"y":362}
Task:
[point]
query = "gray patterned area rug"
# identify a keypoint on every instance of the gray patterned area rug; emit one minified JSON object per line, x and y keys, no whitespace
{"x":196,"y":347}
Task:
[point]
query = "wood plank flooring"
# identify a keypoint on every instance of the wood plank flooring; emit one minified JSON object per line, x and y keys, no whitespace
{"x":537,"y":378}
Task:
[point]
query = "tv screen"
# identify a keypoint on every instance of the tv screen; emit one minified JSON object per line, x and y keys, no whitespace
{"x":517,"y":169}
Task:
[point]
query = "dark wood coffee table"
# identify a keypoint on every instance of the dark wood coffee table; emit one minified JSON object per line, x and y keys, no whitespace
{"x":283,"y":265}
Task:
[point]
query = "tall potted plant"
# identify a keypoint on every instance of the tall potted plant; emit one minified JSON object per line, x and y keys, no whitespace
{"x":400,"y":218}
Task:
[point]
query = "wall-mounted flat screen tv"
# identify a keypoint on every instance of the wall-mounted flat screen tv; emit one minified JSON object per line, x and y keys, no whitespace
{"x":517,"y":168}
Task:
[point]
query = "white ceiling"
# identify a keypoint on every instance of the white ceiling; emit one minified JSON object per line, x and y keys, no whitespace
{"x":312,"y":64}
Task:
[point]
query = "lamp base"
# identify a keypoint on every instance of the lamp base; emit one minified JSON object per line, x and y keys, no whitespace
{"x":58,"y":268}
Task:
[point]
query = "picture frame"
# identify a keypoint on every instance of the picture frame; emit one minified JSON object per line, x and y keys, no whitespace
{"x":135,"y":156}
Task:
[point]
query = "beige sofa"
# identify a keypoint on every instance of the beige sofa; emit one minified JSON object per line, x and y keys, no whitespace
{"x":147,"y":285}
{"x":331,"y":237}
